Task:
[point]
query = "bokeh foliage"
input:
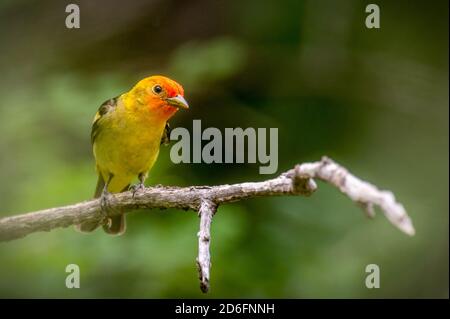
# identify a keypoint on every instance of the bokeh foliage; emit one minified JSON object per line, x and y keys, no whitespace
{"x":374,"y":100}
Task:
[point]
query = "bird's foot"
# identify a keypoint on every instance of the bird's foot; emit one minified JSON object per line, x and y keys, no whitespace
{"x":105,"y":206}
{"x":137,"y":188}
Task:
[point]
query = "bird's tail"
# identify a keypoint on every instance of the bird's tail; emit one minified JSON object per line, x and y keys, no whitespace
{"x":115,"y":225}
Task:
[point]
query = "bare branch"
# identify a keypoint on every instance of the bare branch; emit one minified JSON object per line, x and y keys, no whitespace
{"x":206,"y":213}
{"x":361,"y":192}
{"x":297,"y":181}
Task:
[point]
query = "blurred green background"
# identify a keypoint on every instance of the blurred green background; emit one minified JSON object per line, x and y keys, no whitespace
{"x":374,"y":100}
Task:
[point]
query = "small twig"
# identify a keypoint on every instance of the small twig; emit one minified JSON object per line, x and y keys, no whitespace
{"x":361,"y":192}
{"x":206,"y":213}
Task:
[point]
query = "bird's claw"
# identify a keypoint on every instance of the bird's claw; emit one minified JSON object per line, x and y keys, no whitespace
{"x":105,"y":205}
{"x":137,"y":188}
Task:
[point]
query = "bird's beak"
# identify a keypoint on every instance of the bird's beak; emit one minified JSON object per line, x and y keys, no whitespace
{"x":178,"y":101}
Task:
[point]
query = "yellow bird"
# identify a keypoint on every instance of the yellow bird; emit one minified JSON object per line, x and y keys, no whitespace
{"x":126,"y":136}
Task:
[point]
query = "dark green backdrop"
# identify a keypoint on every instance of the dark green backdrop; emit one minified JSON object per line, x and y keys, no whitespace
{"x":374,"y":100}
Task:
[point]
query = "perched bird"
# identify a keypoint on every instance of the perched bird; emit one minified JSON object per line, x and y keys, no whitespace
{"x":126,"y":136}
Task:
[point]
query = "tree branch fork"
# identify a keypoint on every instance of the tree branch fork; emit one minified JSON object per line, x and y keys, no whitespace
{"x":206,"y":199}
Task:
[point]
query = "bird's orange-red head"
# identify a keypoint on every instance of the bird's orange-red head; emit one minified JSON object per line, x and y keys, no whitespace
{"x":157,"y":95}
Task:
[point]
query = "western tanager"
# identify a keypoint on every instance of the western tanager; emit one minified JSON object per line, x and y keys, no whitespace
{"x":126,"y":135}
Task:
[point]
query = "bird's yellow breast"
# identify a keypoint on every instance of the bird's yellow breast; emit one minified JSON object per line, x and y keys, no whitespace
{"x":127,"y":146}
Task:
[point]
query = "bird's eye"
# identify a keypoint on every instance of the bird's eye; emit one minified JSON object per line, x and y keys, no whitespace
{"x":157,"y":89}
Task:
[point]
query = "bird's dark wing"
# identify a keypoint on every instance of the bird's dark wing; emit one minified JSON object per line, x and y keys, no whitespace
{"x":165,"y":138}
{"x":107,"y":107}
